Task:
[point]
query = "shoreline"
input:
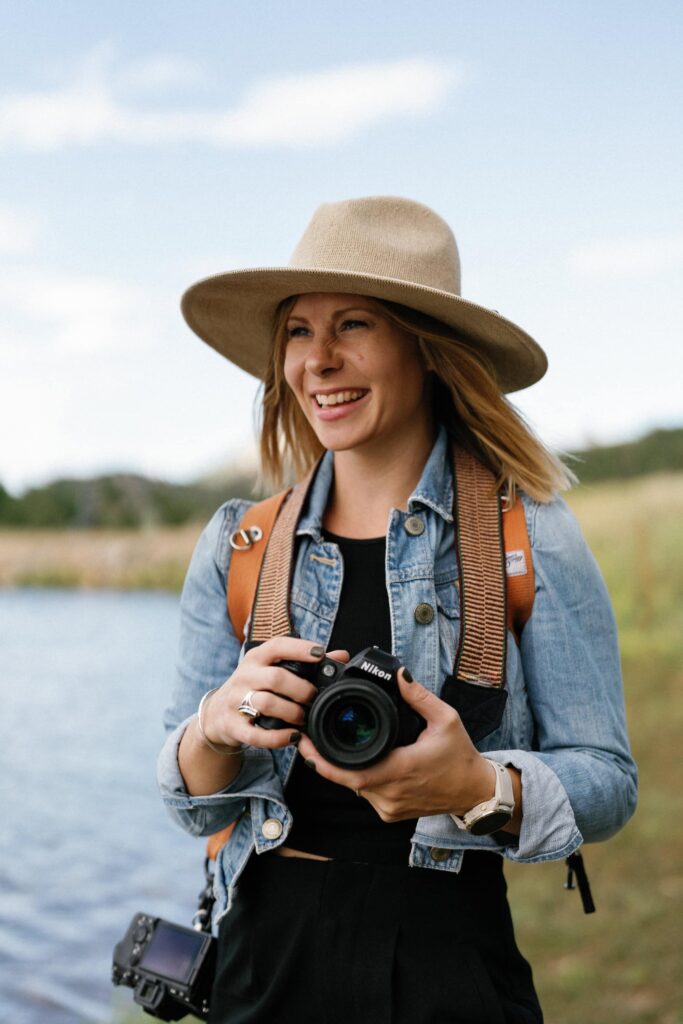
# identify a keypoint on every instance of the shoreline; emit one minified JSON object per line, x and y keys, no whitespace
{"x":156,"y":558}
{"x":149,"y":559}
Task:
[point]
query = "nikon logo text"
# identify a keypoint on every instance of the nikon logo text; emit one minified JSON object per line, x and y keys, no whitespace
{"x":367,"y":666}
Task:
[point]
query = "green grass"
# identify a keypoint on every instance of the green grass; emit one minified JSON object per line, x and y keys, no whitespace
{"x":623,"y":964}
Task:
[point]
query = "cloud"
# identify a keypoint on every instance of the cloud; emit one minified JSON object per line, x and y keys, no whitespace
{"x":628,"y":257}
{"x":49,"y":314}
{"x":18,"y":231}
{"x":314,"y":109}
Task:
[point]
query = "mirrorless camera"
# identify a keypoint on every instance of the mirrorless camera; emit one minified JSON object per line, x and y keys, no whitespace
{"x":358,"y":715}
{"x":170,"y":968}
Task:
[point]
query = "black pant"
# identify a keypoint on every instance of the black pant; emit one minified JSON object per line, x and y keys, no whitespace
{"x":332,"y":942}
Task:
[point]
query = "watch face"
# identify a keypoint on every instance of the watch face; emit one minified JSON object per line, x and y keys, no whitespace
{"x":489,"y":823}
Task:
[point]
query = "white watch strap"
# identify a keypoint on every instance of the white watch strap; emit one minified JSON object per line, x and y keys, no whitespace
{"x":502,"y":800}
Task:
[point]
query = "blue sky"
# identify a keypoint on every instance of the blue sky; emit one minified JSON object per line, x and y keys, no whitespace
{"x":144,"y":145}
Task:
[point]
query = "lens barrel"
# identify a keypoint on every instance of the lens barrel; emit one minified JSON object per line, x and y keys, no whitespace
{"x":353,"y":723}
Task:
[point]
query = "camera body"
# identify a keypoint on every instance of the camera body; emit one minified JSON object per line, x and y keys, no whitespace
{"x":170,"y":968}
{"x":358,"y":715}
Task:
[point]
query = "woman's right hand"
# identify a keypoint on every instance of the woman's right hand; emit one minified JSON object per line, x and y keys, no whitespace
{"x":275,"y":691}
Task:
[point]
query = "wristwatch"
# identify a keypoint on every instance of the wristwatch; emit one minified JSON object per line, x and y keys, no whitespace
{"x":493,"y":814}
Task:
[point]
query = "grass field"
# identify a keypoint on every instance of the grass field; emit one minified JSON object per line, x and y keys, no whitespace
{"x":622,"y":964}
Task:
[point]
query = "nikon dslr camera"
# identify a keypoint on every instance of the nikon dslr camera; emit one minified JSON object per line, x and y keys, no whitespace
{"x":170,"y":968}
{"x":358,"y":715}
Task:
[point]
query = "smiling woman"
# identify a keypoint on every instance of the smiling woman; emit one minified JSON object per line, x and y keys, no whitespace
{"x":382,"y":807}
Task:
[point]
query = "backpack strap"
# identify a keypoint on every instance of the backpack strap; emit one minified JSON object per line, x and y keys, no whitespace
{"x":249,"y":542}
{"x":520,"y":585}
{"x":243,"y":575}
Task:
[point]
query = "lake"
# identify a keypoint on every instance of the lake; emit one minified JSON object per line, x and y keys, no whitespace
{"x":85,"y":841}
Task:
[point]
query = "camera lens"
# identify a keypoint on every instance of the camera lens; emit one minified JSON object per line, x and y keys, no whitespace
{"x":353,"y":726}
{"x":353,"y":723}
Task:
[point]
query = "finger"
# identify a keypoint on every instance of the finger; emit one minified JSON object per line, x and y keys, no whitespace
{"x":285,"y":648}
{"x":339,"y":656}
{"x":420,"y":699}
{"x":342,"y":776}
{"x":281,"y":682}
{"x":272,"y":706}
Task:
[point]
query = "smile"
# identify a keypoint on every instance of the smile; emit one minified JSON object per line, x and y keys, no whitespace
{"x":339,"y":398}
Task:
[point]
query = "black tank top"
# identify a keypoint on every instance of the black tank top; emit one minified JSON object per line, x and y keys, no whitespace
{"x":329,"y":819}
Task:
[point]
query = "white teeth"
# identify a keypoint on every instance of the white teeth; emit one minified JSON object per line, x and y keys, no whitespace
{"x":339,"y":397}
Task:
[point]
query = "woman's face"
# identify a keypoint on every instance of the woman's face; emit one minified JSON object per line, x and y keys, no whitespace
{"x":358,"y":378}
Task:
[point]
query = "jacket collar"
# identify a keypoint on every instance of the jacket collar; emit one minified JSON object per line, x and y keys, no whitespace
{"x":434,"y":489}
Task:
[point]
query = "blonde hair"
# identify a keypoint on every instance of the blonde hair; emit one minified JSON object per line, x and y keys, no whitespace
{"x":466,"y":400}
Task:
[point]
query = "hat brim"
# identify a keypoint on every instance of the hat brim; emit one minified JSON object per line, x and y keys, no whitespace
{"x":234,"y":312}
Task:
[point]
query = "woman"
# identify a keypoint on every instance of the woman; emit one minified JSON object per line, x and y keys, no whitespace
{"x":377,"y":894}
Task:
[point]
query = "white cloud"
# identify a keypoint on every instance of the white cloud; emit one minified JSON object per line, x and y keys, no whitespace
{"x":18,"y":231}
{"x":307,"y":109}
{"x":161,"y":71}
{"x":47,"y":313}
{"x":628,"y":257}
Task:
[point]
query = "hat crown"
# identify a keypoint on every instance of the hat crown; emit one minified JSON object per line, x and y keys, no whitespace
{"x":381,"y":236}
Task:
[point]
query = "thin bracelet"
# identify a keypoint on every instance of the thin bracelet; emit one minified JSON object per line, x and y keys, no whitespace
{"x":200,"y":726}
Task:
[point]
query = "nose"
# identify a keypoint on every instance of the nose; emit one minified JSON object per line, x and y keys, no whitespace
{"x":323,"y":355}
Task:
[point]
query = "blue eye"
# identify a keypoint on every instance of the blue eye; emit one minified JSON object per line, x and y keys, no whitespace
{"x":293,"y":332}
{"x":353,"y":323}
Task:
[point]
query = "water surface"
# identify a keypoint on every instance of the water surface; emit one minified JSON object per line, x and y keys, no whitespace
{"x":84,"y":838}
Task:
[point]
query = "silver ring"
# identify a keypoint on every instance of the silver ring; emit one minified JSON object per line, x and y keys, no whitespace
{"x":246,"y":708}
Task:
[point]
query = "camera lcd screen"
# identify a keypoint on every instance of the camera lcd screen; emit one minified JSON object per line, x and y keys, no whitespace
{"x":172,"y":952}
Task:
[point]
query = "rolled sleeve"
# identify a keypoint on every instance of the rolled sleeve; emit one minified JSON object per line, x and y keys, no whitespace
{"x":208,"y":653}
{"x":571,"y":665}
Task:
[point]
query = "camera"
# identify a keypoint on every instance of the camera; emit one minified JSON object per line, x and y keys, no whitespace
{"x":358,"y":715}
{"x":170,"y":968}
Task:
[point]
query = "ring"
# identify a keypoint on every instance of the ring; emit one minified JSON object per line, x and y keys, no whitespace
{"x":247,"y":709}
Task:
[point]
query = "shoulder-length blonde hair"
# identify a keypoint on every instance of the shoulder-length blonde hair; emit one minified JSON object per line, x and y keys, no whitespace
{"x":466,"y":400}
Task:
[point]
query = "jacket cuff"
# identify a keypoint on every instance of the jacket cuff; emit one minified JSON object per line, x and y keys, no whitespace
{"x":549,"y":830}
{"x":209,"y":813}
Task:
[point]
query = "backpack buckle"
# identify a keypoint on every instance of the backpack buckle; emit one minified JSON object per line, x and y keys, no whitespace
{"x":242,"y":540}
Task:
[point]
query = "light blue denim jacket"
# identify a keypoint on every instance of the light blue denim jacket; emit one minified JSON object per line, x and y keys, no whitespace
{"x":563,"y":725}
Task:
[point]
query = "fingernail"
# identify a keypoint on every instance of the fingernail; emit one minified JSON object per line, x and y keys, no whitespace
{"x":317,"y":651}
{"x":310,"y":764}
{"x":406,"y":675}
{"x":294,"y":737}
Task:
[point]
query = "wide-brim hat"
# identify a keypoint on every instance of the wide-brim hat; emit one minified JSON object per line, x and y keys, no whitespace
{"x":383,"y":247}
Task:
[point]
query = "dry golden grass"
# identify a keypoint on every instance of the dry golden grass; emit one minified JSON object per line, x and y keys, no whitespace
{"x":150,"y":559}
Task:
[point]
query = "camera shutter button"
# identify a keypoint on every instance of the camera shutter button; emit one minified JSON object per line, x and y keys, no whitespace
{"x":414,"y":526}
{"x":272,"y":828}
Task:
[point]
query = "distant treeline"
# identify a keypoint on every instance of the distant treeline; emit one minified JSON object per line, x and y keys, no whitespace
{"x":127,"y":500}
{"x":118,"y":501}
{"x":657,"y":452}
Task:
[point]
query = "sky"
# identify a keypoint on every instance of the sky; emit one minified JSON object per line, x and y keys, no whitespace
{"x":145,"y":145}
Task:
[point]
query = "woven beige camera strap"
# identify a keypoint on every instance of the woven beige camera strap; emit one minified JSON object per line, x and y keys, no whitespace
{"x":260,"y":574}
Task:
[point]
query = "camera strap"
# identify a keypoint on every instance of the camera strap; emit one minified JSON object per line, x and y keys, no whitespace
{"x":496,"y":580}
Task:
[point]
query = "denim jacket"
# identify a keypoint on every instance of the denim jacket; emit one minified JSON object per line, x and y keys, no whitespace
{"x":563,"y":727}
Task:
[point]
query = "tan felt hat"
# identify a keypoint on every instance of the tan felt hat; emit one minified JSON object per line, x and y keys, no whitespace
{"x":384,"y":247}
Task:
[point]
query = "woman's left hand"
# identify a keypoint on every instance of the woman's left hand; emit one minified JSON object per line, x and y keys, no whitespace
{"x":441,"y":773}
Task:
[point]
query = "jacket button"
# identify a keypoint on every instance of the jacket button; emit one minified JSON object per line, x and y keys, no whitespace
{"x":438,"y":854}
{"x":414,"y":526}
{"x":424,"y":613}
{"x":272,"y":828}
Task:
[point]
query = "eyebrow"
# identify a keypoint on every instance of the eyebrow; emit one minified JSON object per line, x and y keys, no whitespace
{"x":337,"y":312}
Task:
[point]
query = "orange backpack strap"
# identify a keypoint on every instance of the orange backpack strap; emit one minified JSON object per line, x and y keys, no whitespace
{"x":216,"y":842}
{"x":256,"y":525}
{"x":519,"y":568}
